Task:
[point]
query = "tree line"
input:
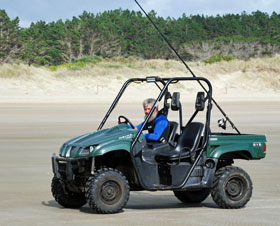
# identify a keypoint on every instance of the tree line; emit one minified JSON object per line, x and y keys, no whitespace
{"x":127,"y":33}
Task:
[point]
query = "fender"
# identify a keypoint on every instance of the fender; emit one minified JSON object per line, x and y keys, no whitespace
{"x":111,"y":146}
{"x":254,"y":145}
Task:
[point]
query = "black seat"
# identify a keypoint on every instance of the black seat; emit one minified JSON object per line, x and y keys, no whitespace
{"x":187,"y":144}
{"x":172,"y":131}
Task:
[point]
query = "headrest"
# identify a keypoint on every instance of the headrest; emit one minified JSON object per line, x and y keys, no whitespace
{"x":175,"y":102}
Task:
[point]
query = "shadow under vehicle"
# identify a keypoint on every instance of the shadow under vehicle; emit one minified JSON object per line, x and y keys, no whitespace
{"x":101,"y":168}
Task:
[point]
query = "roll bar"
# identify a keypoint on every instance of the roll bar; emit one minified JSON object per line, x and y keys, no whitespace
{"x":165,"y":82}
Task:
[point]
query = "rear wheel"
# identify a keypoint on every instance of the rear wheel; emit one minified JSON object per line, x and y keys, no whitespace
{"x":195,"y":196}
{"x":232,"y":188}
{"x":66,"y":198}
{"x":107,"y":191}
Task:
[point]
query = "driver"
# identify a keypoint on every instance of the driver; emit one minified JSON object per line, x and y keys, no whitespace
{"x":157,"y":124}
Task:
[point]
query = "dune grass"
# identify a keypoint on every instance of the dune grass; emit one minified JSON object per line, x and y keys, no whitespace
{"x":258,"y":73}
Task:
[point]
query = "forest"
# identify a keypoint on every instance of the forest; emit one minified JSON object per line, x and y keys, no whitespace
{"x":124,"y":33}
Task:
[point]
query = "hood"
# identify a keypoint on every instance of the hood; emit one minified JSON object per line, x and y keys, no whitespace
{"x":85,"y":144}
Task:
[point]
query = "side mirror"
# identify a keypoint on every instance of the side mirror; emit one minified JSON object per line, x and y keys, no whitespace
{"x":222,"y":123}
{"x":175,"y":102}
{"x":200,"y":101}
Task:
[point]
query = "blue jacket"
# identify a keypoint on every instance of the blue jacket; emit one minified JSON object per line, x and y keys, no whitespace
{"x":161,"y":124}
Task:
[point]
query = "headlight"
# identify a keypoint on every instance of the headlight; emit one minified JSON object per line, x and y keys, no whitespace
{"x":68,"y":152}
{"x":84,"y":152}
{"x":87,"y":151}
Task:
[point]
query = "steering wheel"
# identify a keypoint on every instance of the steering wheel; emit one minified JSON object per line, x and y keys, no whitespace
{"x":126,"y":121}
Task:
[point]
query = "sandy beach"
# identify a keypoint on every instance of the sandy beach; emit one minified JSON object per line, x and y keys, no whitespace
{"x":40,"y":110}
{"x":30,"y":133}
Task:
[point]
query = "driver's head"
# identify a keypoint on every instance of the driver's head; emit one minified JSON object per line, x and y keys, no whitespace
{"x":147,"y":105}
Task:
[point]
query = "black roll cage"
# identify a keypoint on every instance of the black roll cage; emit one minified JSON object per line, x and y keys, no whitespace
{"x":165,"y":82}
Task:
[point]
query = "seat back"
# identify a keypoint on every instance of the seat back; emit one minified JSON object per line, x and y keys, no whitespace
{"x":172,"y":130}
{"x":190,"y":137}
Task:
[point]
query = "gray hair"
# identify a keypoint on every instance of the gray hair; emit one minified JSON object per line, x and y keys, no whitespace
{"x":149,"y":101}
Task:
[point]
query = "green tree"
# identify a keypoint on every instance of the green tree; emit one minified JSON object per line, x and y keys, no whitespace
{"x":128,"y":33}
{"x":9,"y":37}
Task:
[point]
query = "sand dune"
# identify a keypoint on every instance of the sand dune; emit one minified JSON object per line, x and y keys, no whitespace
{"x":235,"y":80}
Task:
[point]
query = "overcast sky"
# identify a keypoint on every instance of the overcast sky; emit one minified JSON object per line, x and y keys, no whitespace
{"x":52,"y":10}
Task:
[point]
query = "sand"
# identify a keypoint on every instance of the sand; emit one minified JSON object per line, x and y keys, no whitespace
{"x":256,"y":79}
{"x":30,"y":133}
{"x":40,"y":109}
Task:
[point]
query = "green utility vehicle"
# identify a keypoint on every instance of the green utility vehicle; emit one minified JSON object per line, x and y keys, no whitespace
{"x":101,"y":168}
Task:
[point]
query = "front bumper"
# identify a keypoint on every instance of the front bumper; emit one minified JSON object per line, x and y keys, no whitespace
{"x":65,"y":168}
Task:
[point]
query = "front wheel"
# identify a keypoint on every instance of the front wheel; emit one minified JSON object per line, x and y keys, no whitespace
{"x":232,"y":188}
{"x":107,"y":191}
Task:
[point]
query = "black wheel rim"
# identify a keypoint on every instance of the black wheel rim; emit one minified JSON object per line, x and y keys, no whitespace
{"x":236,"y":188}
{"x":110,"y":192}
